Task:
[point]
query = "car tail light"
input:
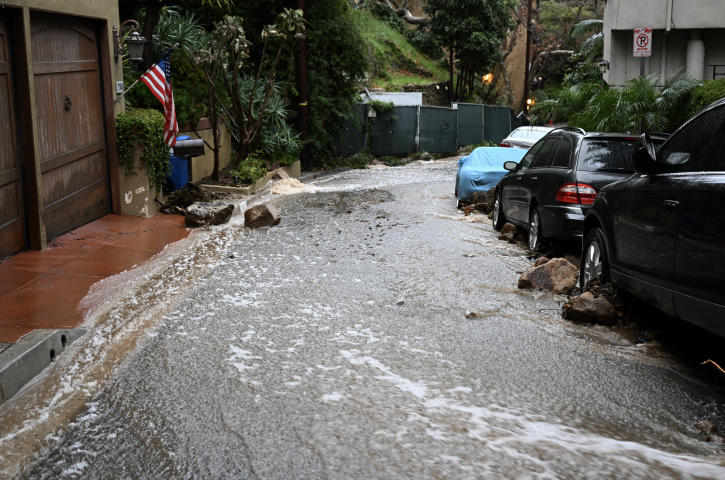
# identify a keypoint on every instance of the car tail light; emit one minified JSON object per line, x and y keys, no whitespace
{"x":576,"y":193}
{"x":587,"y":193}
{"x":505,"y":145}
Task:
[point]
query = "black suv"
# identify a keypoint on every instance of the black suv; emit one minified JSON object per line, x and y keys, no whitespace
{"x":660,"y":234}
{"x":551,"y":189}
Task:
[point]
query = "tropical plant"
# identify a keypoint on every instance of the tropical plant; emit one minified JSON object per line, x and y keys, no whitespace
{"x":229,"y":47}
{"x":593,"y":25}
{"x":650,"y":101}
{"x":174,"y":28}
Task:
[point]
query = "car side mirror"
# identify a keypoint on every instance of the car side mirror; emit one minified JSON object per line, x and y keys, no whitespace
{"x":644,"y":155}
{"x":510,"y":166}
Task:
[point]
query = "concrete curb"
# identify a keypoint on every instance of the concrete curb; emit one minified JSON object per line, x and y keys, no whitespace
{"x":307,"y":177}
{"x":29,"y":356}
{"x":293,"y":171}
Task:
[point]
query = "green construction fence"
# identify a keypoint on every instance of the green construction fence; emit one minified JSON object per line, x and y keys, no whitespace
{"x":406,"y":130}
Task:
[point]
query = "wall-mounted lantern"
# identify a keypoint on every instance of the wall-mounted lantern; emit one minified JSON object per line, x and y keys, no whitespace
{"x":603,"y":66}
{"x":135,"y":42}
{"x":530,"y":103}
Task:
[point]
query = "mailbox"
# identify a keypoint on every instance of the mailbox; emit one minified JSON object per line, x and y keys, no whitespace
{"x":189,"y":148}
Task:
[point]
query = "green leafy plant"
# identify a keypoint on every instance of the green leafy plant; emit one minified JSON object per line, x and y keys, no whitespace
{"x":381,"y":107}
{"x":622,"y":107}
{"x":145,"y":126}
{"x":702,"y":96}
{"x":360,"y":159}
{"x":485,"y":143}
{"x":250,"y":170}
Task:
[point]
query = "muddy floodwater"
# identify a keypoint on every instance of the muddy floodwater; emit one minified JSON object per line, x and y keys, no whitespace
{"x":336,"y":346}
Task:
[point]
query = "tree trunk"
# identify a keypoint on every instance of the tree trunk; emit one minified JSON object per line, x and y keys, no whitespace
{"x":214,"y":117}
{"x":153,"y":10}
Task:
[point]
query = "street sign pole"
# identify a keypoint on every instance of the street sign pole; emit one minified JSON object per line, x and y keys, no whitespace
{"x":642,"y":48}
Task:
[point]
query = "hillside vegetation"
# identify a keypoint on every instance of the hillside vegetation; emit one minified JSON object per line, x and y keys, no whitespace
{"x":393,"y":60}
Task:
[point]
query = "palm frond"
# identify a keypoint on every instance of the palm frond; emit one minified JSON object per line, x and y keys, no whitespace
{"x":586,"y":26}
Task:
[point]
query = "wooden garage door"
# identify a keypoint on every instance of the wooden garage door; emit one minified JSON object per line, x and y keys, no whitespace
{"x":12,"y":236}
{"x":70,"y":122}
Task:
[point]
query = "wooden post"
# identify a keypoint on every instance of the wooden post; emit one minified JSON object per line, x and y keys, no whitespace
{"x":303,"y":107}
{"x":527,"y":65}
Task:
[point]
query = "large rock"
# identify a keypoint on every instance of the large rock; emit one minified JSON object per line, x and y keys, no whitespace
{"x":508,"y":228}
{"x":556,"y":275}
{"x":426,"y":156}
{"x":263,"y":215}
{"x":586,"y":308}
{"x":540,"y":261}
{"x":202,"y":214}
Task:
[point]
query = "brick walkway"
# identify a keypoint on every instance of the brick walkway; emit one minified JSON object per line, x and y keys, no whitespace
{"x":42,"y":289}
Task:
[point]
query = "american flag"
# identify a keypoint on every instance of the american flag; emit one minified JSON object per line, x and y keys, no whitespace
{"x":158,"y":79}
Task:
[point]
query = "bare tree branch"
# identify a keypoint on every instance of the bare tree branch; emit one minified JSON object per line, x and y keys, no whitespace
{"x":405,"y":14}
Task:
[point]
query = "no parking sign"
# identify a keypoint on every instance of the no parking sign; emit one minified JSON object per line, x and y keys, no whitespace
{"x":643,"y":42}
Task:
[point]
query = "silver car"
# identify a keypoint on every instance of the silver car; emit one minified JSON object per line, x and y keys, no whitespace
{"x":525,"y":137}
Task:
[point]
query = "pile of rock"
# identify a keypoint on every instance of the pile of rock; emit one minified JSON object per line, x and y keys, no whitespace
{"x":708,"y":428}
{"x":483,"y":201}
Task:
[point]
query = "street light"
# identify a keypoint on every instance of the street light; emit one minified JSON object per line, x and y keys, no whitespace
{"x":603,"y":67}
{"x":487,"y":78}
{"x":135,"y":42}
{"x":530,"y":103}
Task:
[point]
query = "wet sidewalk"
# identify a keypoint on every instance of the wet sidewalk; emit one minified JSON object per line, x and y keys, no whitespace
{"x":42,"y":289}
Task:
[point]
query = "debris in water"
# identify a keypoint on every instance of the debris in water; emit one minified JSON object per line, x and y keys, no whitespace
{"x":400,"y":301}
{"x":201,"y":214}
{"x":706,"y":427}
{"x":716,"y":366}
{"x":714,"y":439}
{"x":472,"y":314}
{"x":290,"y":186}
{"x":469,"y":255}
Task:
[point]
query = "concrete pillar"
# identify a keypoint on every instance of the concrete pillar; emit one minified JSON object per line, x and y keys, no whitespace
{"x":696,"y":55}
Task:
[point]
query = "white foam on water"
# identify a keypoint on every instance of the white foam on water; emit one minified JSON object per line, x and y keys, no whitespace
{"x":291,"y":186}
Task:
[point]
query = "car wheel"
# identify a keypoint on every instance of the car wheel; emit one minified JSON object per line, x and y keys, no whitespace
{"x":534,"y":229}
{"x":458,"y":204}
{"x":498,"y":217}
{"x":595,"y":258}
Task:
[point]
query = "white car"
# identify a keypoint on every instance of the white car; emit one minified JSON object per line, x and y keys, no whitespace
{"x":525,"y":137}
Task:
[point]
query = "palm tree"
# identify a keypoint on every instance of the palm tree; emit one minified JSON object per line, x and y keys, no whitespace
{"x":621,"y":107}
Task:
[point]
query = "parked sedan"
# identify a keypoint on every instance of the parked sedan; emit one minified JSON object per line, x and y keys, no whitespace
{"x":525,"y":137}
{"x":551,"y":189}
{"x":660,"y":234}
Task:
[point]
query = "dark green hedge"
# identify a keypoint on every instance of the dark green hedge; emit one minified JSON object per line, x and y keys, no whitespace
{"x":147,"y":126}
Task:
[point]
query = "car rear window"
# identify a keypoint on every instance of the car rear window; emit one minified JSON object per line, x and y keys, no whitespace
{"x":536,"y":134}
{"x":607,"y":155}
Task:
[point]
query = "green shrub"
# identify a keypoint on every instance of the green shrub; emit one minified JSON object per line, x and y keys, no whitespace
{"x":485,"y":143}
{"x":250,"y":170}
{"x":702,"y":96}
{"x":360,"y":159}
{"x":147,"y":127}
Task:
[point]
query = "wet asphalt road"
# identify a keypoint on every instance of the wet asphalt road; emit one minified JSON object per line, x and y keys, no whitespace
{"x":292,"y":358}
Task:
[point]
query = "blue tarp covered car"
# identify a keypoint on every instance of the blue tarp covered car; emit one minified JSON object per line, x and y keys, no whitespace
{"x":482,"y":169}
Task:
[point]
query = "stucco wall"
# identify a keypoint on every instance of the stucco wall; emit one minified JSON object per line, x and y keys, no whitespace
{"x":688,"y":20}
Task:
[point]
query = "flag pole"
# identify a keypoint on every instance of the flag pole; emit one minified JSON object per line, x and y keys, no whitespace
{"x":144,"y":73}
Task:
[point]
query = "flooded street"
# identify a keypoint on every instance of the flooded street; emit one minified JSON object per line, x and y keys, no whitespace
{"x":336,"y":345}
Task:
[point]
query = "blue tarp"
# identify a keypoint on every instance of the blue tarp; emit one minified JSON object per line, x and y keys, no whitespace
{"x":483,"y":168}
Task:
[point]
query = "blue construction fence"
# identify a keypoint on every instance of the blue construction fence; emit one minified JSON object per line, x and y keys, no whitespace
{"x":406,"y":130}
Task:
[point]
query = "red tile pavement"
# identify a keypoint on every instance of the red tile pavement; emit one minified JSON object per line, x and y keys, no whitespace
{"x":43,"y":289}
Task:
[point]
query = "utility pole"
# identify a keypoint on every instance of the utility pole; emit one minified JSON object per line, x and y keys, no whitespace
{"x":303,"y":107}
{"x":527,"y":65}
